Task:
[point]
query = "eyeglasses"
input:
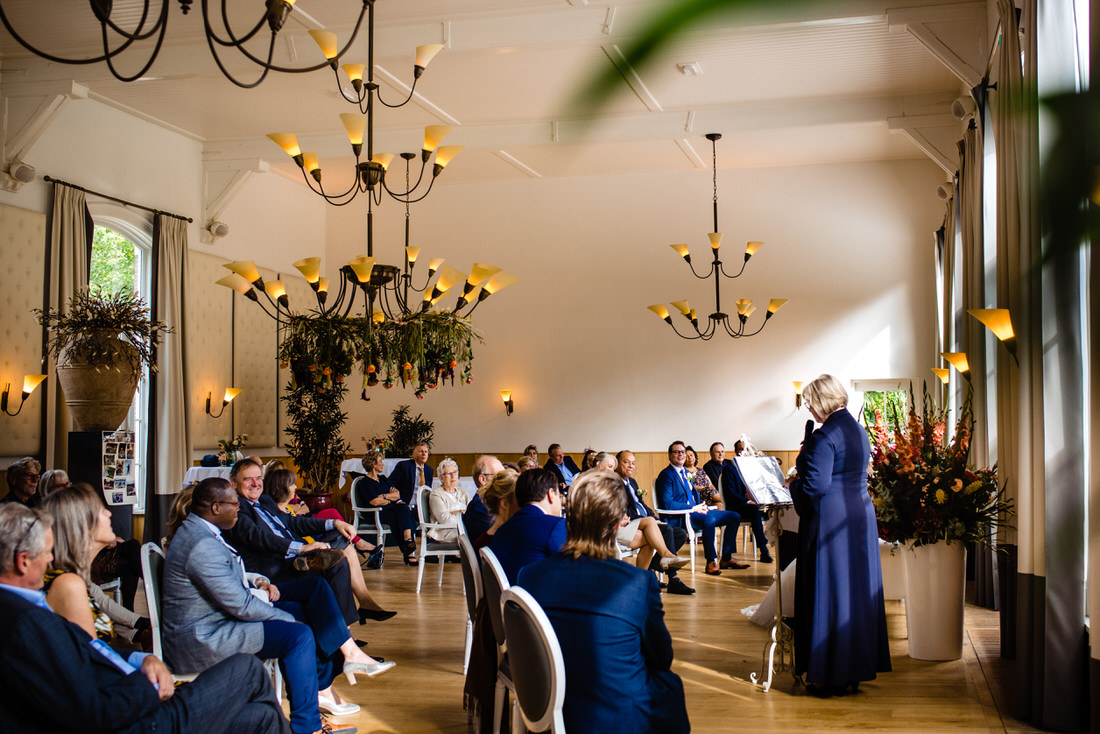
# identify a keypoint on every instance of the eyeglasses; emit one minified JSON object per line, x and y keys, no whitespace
{"x":225,"y":502}
{"x":678,"y":451}
{"x":449,"y":474}
{"x":33,"y":477}
{"x":23,"y":537}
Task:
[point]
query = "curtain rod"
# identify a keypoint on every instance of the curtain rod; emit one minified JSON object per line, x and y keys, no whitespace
{"x":115,"y":198}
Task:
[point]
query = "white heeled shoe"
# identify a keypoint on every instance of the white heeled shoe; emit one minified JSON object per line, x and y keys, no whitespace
{"x":329,"y":706}
{"x":368,"y":669}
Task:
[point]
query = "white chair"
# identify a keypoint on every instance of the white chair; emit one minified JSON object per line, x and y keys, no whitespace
{"x":537,"y":663}
{"x":686,"y":520}
{"x":152,"y":569}
{"x":471,"y":583}
{"x":114,"y":587}
{"x":368,"y":519}
{"x":494,"y":582}
{"x":429,"y":547}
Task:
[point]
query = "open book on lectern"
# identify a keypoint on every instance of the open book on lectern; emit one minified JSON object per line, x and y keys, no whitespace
{"x":763,"y":480}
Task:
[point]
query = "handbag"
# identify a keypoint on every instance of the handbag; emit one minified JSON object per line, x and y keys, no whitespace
{"x":374,"y":560}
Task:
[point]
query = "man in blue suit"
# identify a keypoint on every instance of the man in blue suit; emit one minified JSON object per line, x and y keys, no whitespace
{"x":563,"y":466}
{"x":477,"y":517}
{"x":412,"y":474}
{"x":55,"y":678}
{"x":734,"y":495}
{"x":534,"y":532}
{"x":678,"y":493}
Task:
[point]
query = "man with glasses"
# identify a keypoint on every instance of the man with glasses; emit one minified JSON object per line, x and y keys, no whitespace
{"x":23,"y":482}
{"x":477,"y":517}
{"x":677,"y":492}
{"x":537,"y":530}
{"x":53,"y":677}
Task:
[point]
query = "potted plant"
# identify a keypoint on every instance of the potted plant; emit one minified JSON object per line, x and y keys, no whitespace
{"x":407,"y":431}
{"x":102,"y":344}
{"x":926,"y":497}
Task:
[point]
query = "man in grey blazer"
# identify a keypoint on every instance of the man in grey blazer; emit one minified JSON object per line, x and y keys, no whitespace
{"x":213,"y":609}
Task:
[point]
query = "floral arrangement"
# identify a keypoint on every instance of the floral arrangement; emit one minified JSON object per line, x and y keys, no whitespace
{"x":378,"y":443}
{"x":921,"y":487}
{"x":231,"y":448}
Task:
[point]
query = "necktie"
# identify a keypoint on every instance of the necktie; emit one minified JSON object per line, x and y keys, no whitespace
{"x":419,"y":477}
{"x":274,"y":522}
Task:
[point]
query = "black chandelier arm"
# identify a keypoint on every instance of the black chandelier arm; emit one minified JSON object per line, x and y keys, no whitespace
{"x":764,"y":323}
{"x":335,"y":199}
{"x":61,"y":60}
{"x":406,"y":196}
{"x":137,"y":35}
{"x":351,"y":300}
{"x":704,"y":335}
{"x":233,"y":40}
{"x":210,"y":38}
{"x":356,"y":100}
{"x":402,"y":103}
{"x":740,"y":332}
{"x":739,"y":272}
{"x":152,"y":57}
{"x":268,"y":66}
{"x":710,"y":270}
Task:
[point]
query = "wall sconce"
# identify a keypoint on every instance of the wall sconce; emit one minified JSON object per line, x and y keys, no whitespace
{"x":797,"y":394}
{"x":943,"y":373}
{"x":230,"y":393}
{"x":30,"y":382}
{"x":999,"y":321}
{"x":506,"y":396}
{"x":959,"y":361}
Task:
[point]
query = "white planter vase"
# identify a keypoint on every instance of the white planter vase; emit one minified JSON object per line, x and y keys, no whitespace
{"x":935,"y":582}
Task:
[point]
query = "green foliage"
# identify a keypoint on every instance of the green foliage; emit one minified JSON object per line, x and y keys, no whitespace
{"x":314,"y":430}
{"x":406,"y":432}
{"x":112,"y":268}
{"x":95,"y":326}
{"x":889,"y":404}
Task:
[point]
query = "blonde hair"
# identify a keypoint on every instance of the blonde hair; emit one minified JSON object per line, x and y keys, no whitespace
{"x":370,"y":457}
{"x":826,"y":395}
{"x":496,"y":492}
{"x":75,"y":512}
{"x":596,"y":507}
{"x":272,"y":466}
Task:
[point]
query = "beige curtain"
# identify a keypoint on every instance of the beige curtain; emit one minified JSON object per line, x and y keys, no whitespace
{"x":170,"y":426}
{"x":68,"y":256}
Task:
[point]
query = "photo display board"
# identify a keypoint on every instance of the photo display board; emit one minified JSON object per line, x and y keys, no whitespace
{"x":119,"y":477}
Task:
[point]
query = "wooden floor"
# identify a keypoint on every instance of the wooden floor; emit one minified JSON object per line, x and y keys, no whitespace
{"x":716,"y":649}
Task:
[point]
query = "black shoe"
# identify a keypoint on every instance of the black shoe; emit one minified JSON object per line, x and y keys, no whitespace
{"x":765,"y":557}
{"x":361,"y":643}
{"x":375,"y":615}
{"x":662,"y":584}
{"x":319,"y":560}
{"x":676,"y":586}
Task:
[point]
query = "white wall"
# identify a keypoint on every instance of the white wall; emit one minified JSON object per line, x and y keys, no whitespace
{"x":589,"y":365}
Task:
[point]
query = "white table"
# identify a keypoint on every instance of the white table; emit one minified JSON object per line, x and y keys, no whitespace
{"x":198,"y":473}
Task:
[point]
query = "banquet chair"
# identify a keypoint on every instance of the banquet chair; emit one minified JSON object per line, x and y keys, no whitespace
{"x":471,"y":582}
{"x":745,"y":529}
{"x":363,"y":522}
{"x":429,"y":547}
{"x":494,"y":583}
{"x":539,"y":669}
{"x":677,"y":513}
{"x":152,"y":569}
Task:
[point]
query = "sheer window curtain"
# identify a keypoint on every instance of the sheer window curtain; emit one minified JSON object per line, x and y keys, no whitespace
{"x":169,"y":420}
{"x":1039,"y":451}
{"x":68,"y":261}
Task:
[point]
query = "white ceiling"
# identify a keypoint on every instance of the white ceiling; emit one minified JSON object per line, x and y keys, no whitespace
{"x":816,"y":84}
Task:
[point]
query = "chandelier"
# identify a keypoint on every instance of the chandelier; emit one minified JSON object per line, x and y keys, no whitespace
{"x":153,"y":24}
{"x":745,"y":309}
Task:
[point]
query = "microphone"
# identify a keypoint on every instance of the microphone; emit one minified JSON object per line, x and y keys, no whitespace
{"x":809,"y":430}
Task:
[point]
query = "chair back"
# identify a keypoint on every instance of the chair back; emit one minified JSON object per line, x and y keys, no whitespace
{"x":538,"y":669}
{"x":152,"y":569}
{"x":471,"y":573}
{"x":423,"y":509}
{"x":494,"y":584}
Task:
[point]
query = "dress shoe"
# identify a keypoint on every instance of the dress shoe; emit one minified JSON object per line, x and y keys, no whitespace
{"x":377,"y":615}
{"x":765,"y":557}
{"x":673,"y":562}
{"x":321,"y":560}
{"x":676,"y":586}
{"x":368,"y":669}
{"x":329,"y":706}
{"x":731,"y":563}
{"x":712,"y":568}
{"x":328,"y":728}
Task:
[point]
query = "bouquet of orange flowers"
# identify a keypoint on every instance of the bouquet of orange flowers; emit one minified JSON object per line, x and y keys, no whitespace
{"x":920,"y":484}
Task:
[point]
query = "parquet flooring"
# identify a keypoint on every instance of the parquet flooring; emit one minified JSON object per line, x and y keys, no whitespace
{"x":716,"y":648}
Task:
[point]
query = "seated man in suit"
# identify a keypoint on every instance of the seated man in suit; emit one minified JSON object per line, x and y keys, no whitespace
{"x":674,"y":537}
{"x":213,"y":608}
{"x":563,"y":466}
{"x":678,"y":493}
{"x":477,"y":517}
{"x":734,"y":495}
{"x":55,"y":678}
{"x":412,"y":474}
{"x":22,"y":479}
{"x":275,"y":548}
{"x":534,"y":532}
{"x":609,"y":622}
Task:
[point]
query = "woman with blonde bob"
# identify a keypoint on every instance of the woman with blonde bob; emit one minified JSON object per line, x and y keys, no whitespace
{"x":609,"y":621}
{"x":840,"y":635}
{"x":499,"y":496}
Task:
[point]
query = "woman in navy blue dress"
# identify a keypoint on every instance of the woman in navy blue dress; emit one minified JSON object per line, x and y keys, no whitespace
{"x":609,"y":621}
{"x":378,"y":491}
{"x":840,"y":616}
